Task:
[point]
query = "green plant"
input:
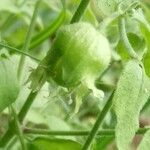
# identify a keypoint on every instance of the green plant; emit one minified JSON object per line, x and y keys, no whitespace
{"x":95,"y":71}
{"x":9,"y":84}
{"x":73,"y":60}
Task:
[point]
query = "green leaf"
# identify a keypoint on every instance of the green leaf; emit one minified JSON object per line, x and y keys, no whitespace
{"x":53,"y":144}
{"x":89,"y":17}
{"x":9,"y":85}
{"x":130,"y":96}
{"x":102,"y":143}
{"x":145,"y":143}
{"x":107,"y":7}
{"x":8,"y":5}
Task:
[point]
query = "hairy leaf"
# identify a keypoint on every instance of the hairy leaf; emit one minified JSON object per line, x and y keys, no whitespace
{"x":130,"y":96}
{"x":107,"y":7}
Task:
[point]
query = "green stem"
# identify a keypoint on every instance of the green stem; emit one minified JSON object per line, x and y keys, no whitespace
{"x":102,"y":132}
{"x":97,"y":124}
{"x":18,"y":129}
{"x":10,"y":132}
{"x":20,"y":52}
{"x":11,"y":143}
{"x":27,"y":105}
{"x":47,"y":32}
{"x":124,"y":38}
{"x":80,"y":10}
{"x":104,"y":24}
{"x":28,"y":39}
{"x":8,"y":135}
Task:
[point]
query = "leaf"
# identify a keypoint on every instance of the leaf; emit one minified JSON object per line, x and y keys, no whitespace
{"x":145,"y":143}
{"x":9,"y":85}
{"x":90,"y":17}
{"x":130,"y":96}
{"x":107,"y":7}
{"x":53,"y":144}
{"x":8,"y":5}
{"x":102,"y":143}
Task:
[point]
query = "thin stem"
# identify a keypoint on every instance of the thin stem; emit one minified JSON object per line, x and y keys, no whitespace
{"x":10,"y":132}
{"x":27,"y":105}
{"x":97,"y":124}
{"x":28,"y":38}
{"x":8,"y":135}
{"x":124,"y":38}
{"x":18,"y":51}
{"x":18,"y":129}
{"x":47,"y":32}
{"x":102,"y":132}
{"x":80,"y":10}
{"x":11,"y":143}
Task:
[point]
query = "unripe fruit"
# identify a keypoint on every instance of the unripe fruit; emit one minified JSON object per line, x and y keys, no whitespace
{"x":79,"y":53}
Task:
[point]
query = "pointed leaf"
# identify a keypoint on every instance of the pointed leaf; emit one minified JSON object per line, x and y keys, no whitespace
{"x":130,"y":96}
{"x":53,"y":144}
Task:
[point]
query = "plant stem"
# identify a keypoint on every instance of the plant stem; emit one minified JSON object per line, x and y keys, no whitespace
{"x":18,"y":51}
{"x":28,"y":39}
{"x":47,"y":32}
{"x":102,"y":132}
{"x":80,"y":10}
{"x":10,"y":132}
{"x":11,"y":143}
{"x":124,"y":38}
{"x":18,"y":129}
{"x":98,"y":122}
{"x":27,"y":105}
{"x":8,"y":135}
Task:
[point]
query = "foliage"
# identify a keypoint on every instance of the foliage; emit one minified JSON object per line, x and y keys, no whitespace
{"x":9,"y":84}
{"x":64,"y":63}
